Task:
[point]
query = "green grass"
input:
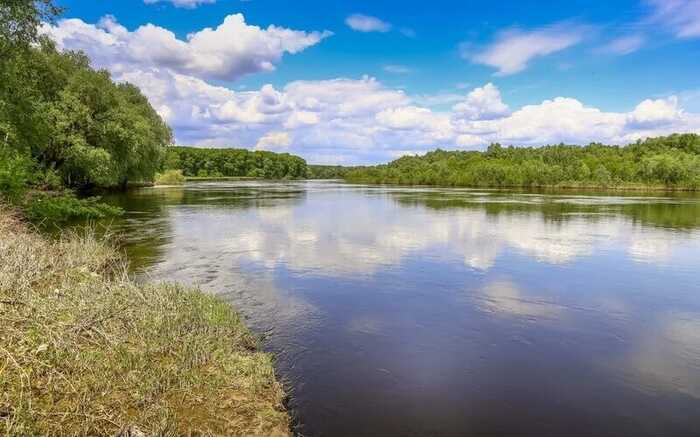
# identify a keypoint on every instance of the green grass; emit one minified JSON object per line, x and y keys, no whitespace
{"x":86,"y":351}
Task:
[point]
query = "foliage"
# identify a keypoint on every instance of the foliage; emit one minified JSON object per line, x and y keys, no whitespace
{"x":201,"y":162}
{"x":15,"y":174}
{"x":20,"y":20}
{"x":86,"y":351}
{"x":65,"y":206}
{"x":65,"y":125}
{"x":170,"y":177}
{"x":672,"y":162}
{"x":327,"y":171}
{"x":68,"y":117}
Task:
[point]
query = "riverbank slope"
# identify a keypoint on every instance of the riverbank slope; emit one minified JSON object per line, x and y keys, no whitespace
{"x":86,"y":351}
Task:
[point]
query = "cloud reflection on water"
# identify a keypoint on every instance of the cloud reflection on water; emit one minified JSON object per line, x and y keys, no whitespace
{"x":592,"y":268}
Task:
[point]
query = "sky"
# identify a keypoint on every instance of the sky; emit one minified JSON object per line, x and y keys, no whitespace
{"x":363,"y":82}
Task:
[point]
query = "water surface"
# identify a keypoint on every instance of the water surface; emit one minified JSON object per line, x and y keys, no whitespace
{"x":423,"y":311}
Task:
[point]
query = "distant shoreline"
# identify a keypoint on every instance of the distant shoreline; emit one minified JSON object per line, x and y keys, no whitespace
{"x":566,"y":187}
{"x":220,"y":178}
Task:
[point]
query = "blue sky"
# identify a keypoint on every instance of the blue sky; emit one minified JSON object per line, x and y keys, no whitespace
{"x":360,"y":81}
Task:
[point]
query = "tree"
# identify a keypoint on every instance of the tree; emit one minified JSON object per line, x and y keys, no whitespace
{"x":20,"y":21}
{"x":672,"y":161}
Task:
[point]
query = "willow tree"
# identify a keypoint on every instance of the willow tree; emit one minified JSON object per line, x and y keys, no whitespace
{"x":66,"y":117}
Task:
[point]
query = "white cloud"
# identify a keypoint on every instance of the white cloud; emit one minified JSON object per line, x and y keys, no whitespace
{"x":552,"y":121}
{"x":189,"y":4}
{"x":301,"y":118}
{"x":367,"y":23}
{"x":623,"y":45}
{"x":682,"y":17}
{"x":481,"y":104}
{"x":469,"y":141}
{"x":227,"y":52}
{"x":514,"y":49}
{"x":337,"y":120}
{"x":414,"y":117}
{"x":274,"y":141}
{"x":654,"y":113}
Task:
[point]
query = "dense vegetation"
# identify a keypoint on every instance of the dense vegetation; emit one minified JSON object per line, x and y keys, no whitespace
{"x":669,"y":162}
{"x":64,"y":125}
{"x":327,"y":171}
{"x":86,"y":351}
{"x":68,"y":121}
{"x":201,"y":162}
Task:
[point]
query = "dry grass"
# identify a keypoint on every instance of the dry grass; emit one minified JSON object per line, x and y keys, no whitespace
{"x":85,"y":351}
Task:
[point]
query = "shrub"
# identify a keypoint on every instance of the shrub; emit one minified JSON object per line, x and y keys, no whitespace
{"x":170,"y":177}
{"x":50,"y":180}
{"x":64,"y":207}
{"x":15,"y":174}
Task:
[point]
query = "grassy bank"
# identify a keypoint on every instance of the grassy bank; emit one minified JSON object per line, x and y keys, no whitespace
{"x":85,"y":351}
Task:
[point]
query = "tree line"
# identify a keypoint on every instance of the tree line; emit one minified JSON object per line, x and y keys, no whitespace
{"x":203,"y":162}
{"x":327,"y":171}
{"x":672,"y":162}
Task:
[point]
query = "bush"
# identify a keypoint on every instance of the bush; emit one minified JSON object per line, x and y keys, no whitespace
{"x":50,"y":180}
{"x":64,"y":207}
{"x":15,"y":174}
{"x":170,"y":177}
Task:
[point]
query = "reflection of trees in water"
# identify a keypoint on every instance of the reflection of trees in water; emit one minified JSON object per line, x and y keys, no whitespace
{"x":677,"y":213}
{"x":145,"y":230}
{"x":348,"y":231}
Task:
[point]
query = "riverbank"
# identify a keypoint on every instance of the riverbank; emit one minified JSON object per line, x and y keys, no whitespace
{"x":84,"y":350}
{"x":219,"y":178}
{"x":564,"y":187}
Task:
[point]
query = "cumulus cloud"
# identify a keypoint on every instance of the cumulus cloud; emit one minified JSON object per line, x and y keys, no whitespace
{"x":274,"y":141}
{"x":341,"y":120}
{"x":514,"y":49}
{"x":189,"y":4}
{"x":367,"y":23}
{"x":227,"y":52}
{"x":552,"y":121}
{"x":654,"y":113}
{"x":482,"y":103}
{"x":570,"y":121}
{"x":682,"y":17}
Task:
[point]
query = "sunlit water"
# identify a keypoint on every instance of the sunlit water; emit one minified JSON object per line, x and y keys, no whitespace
{"x":419,"y":311}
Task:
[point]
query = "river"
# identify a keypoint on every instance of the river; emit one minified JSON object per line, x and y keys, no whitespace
{"x":428,"y":311}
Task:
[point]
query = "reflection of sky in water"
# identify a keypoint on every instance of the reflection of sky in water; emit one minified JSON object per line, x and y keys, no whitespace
{"x":412,"y":308}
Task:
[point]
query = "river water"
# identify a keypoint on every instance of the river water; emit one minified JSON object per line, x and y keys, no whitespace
{"x":427,"y":311}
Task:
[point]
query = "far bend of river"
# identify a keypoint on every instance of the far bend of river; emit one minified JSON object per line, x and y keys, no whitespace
{"x":455,"y":312}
